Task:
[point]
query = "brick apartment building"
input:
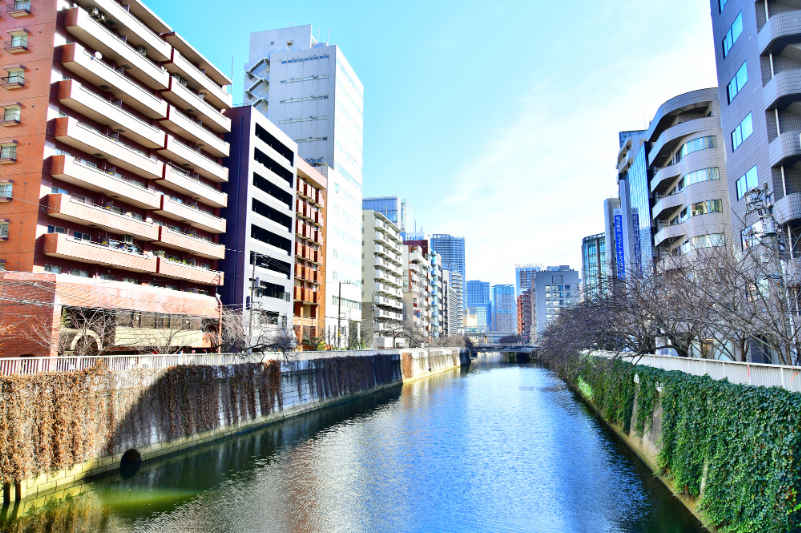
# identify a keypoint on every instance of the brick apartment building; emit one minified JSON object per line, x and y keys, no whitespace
{"x":111,"y":161}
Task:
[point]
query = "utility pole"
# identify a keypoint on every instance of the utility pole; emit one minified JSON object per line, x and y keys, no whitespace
{"x":339,"y":315}
{"x":252,"y":295}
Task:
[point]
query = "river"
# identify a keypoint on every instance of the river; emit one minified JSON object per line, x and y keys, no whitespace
{"x":496,"y":448}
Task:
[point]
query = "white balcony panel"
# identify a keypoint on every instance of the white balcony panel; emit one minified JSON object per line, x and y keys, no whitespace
{"x":87,"y":102}
{"x":137,"y":32}
{"x":187,"y":127}
{"x":99,"y":37}
{"x":199,"y":81}
{"x":193,"y":104}
{"x":77,"y":59}
{"x":85,"y":138}
{"x":190,"y":159}
{"x":180,"y":181}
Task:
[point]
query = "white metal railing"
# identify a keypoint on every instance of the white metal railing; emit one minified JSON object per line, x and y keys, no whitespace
{"x":787,"y":377}
{"x":110,"y":69}
{"x":15,"y":366}
{"x":130,"y":115}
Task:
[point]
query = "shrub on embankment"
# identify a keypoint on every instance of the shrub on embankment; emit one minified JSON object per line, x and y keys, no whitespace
{"x":52,"y":421}
{"x":736,"y":448}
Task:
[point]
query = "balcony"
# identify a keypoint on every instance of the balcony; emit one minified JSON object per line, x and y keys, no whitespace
{"x":170,"y":238}
{"x":72,"y":209}
{"x":665,"y":176}
{"x":780,"y":30}
{"x":193,"y":160}
{"x":193,"y":216}
{"x":674,"y":135}
{"x":785,"y":150}
{"x":782,"y":90}
{"x":86,"y":138}
{"x":181,"y":181}
{"x":190,"y":102}
{"x":189,"y":128}
{"x":87,"y":102}
{"x":175,"y":270}
{"x":668,"y":233}
{"x":135,"y":30}
{"x":76,"y":59}
{"x":14,"y":80}
{"x":199,"y":81}
{"x":10,"y":117}
{"x":17,"y":9}
{"x":667,"y":204}
{"x":788,"y":208}
{"x":87,"y":176}
{"x":63,"y":247}
{"x":98,"y":37}
{"x":18,"y":44}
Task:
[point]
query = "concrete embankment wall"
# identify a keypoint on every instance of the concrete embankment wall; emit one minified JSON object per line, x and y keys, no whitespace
{"x":647,"y":446}
{"x":61,"y":429}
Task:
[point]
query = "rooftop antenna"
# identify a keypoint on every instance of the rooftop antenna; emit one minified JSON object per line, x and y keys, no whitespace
{"x":329,"y":37}
{"x":318,"y":36}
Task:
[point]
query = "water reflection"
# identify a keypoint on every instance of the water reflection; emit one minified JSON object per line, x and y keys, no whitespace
{"x":494,"y":448}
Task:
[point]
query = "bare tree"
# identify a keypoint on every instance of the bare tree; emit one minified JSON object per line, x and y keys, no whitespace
{"x":255,"y":335}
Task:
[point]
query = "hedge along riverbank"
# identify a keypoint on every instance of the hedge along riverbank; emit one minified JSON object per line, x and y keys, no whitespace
{"x":735,"y":448}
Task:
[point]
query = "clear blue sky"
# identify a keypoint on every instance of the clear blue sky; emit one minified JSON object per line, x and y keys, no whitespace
{"x":497,"y":120}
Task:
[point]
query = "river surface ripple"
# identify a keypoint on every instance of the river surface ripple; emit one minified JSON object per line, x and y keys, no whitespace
{"x":496,"y":448}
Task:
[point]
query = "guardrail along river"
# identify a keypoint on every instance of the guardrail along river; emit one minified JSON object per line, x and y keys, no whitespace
{"x":495,"y":448}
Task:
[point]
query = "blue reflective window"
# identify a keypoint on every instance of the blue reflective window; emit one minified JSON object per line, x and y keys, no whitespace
{"x":747,"y":181}
{"x":736,"y":84}
{"x":741,"y":132}
{"x":722,"y":4}
{"x":733,"y":33}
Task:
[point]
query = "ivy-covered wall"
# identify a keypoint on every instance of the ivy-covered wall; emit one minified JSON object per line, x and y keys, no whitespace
{"x":735,"y":448}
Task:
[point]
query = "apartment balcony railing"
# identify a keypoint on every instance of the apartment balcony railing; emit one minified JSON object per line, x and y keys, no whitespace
{"x":183,"y":181}
{"x":75,"y":58}
{"x":190,"y":158}
{"x":86,"y":138}
{"x":98,"y":108}
{"x":88,"y":176}
{"x":190,"y":102}
{"x":185,"y":271}
{"x":15,"y":46}
{"x":138,"y":33}
{"x":61,"y":246}
{"x":214,"y":94}
{"x":13,"y":81}
{"x":113,"y":47}
{"x":11,"y":118}
{"x":18,"y":9}
{"x":176,"y":240}
{"x":80,"y":211}
{"x":197,"y":218}
{"x":190,"y":128}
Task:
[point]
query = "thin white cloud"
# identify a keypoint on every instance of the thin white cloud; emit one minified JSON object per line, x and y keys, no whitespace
{"x":537,"y":186}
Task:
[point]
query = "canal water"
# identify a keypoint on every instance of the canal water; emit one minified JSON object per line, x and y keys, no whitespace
{"x":496,"y":448}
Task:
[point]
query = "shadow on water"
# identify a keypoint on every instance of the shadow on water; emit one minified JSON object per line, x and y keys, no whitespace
{"x":493,"y":447}
{"x":114,"y":502}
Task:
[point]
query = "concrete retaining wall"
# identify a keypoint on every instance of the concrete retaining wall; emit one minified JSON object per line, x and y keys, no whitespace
{"x":304,"y":386}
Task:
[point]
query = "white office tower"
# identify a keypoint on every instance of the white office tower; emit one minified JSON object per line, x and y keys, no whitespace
{"x":308,"y":89}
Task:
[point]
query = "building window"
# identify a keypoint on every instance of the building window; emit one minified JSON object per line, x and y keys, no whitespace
{"x":703,"y":241}
{"x":11,"y":113}
{"x":8,"y":151}
{"x":733,"y":33}
{"x":6,"y":190}
{"x":738,"y":81}
{"x":108,"y":277}
{"x":747,"y":182}
{"x":705,"y":174}
{"x":4,"y":230}
{"x":131,"y":280}
{"x":741,"y":132}
{"x":79,"y":273}
{"x":56,"y":229}
{"x":701,"y":143}
{"x":722,"y":4}
{"x":699,"y":208}
{"x":16,"y":76}
{"x":752,"y":235}
{"x":52,"y":269}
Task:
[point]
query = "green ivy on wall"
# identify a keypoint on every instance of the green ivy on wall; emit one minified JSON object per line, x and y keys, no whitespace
{"x":735,"y":447}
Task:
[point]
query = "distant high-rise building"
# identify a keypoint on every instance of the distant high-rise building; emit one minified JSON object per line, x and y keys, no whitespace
{"x":395,"y":209}
{"x":308,"y":89}
{"x":452,"y":251}
{"x":504,"y":309}
{"x":524,"y":277}
{"x":478,"y":301}
{"x":554,"y":289}
{"x":593,"y":264}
